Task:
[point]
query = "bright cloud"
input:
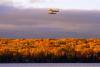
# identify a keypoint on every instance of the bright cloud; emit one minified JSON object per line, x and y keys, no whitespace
{"x":62,"y":4}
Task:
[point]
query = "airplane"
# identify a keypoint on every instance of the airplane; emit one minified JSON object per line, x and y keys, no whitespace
{"x":53,"y":11}
{"x":50,"y":12}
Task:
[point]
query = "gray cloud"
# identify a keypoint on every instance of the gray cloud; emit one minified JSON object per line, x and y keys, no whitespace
{"x":66,"y":20}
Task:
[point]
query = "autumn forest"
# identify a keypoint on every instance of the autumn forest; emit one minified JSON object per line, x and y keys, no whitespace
{"x":59,"y":50}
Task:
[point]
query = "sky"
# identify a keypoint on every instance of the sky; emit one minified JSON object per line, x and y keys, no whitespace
{"x":61,"y":4}
{"x":31,"y":17}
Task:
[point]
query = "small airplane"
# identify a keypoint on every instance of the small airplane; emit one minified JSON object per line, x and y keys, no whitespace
{"x":53,"y":11}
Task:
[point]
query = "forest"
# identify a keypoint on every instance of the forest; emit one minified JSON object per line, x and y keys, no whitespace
{"x":46,"y":50}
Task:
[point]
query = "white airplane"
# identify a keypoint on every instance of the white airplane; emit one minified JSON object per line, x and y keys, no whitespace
{"x":53,"y":11}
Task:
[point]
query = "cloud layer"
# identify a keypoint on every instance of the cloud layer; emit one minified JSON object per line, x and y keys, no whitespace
{"x":38,"y":20}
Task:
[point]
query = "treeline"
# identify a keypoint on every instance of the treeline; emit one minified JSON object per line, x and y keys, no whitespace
{"x":65,"y":50}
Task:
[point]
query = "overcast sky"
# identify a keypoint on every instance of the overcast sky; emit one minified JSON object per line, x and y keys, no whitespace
{"x":82,"y":16}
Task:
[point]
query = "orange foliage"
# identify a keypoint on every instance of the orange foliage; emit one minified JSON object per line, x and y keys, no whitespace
{"x":44,"y":47}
